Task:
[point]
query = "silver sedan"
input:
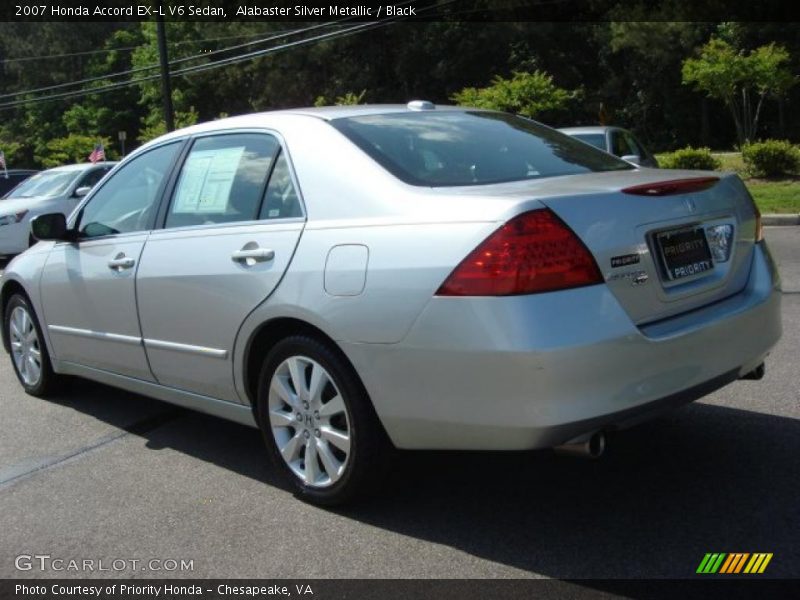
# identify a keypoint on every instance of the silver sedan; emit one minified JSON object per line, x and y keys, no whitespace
{"x":355,"y":278}
{"x":614,"y":140}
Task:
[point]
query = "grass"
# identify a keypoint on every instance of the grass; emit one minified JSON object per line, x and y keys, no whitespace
{"x":771,"y":195}
{"x":776,"y":196}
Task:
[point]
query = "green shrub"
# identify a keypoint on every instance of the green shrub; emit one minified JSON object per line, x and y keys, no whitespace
{"x":690,"y":158}
{"x":527,"y":94}
{"x":771,"y":158}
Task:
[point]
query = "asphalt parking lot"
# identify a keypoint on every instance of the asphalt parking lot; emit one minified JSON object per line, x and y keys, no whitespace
{"x":101,"y":474}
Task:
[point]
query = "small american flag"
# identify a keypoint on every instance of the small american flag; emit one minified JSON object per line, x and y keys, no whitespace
{"x":97,"y":154}
{"x":3,"y":163}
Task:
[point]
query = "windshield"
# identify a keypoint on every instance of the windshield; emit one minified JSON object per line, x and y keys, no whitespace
{"x":455,"y":148}
{"x":47,"y":183}
{"x":598,"y":140}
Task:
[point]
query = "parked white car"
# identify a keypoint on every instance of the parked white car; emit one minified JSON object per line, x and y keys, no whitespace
{"x":54,"y":190}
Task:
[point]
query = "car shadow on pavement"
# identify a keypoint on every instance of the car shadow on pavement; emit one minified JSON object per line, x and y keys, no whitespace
{"x":702,"y":479}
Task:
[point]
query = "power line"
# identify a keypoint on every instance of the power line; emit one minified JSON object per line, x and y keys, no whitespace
{"x":152,"y":66}
{"x":195,"y":69}
{"x":228,"y":61}
{"x":156,"y":65}
{"x":125,"y":48}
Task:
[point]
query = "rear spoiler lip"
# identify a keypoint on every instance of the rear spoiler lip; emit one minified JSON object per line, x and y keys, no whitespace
{"x":672,"y":187}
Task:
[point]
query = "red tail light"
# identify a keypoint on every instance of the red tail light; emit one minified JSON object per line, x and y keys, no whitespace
{"x":534,"y":252}
{"x":675,"y":186}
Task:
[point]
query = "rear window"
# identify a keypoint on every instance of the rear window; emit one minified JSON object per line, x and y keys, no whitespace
{"x":455,"y":148}
{"x":598,"y":140}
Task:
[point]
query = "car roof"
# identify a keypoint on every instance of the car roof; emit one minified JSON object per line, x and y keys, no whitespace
{"x":590,"y":129}
{"x":272,"y":118}
{"x":82,"y":166}
{"x":330,"y":113}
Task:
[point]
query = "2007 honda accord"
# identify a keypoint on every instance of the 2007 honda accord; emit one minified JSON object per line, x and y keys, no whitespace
{"x":353,"y":278}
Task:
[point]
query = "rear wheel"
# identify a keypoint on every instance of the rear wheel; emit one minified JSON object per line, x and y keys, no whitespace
{"x":28,"y":351}
{"x":318,"y":423}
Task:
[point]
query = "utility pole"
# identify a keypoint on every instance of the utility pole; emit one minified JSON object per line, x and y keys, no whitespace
{"x":166,"y":87}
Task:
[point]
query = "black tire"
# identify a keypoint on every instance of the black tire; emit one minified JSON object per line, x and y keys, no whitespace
{"x":48,"y":380}
{"x":368,"y":440}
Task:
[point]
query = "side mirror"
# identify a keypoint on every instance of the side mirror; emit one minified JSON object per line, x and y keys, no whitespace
{"x":82,"y":191}
{"x":52,"y":226}
{"x":632,"y":158}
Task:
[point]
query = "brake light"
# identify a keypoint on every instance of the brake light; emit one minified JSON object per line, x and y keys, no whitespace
{"x":675,"y":186}
{"x":534,"y":252}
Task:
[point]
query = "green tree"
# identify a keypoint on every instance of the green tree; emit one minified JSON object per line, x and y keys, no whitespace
{"x":640,"y":60}
{"x":32,"y":125}
{"x":184,"y":93}
{"x":527,"y":94}
{"x":742,"y":81}
{"x":73,"y":148}
{"x":349,"y":98}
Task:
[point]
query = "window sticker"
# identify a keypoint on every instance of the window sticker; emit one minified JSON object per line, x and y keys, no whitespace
{"x":206,"y":180}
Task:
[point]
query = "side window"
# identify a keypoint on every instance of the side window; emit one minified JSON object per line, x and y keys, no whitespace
{"x":281,"y":200}
{"x":128,"y":201}
{"x":222,"y":180}
{"x":91,"y":178}
{"x":623,"y":144}
{"x":618,"y":145}
{"x":635,"y":146}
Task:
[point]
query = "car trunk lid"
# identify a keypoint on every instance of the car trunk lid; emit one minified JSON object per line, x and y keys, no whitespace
{"x":665,"y":242}
{"x":629,"y":230}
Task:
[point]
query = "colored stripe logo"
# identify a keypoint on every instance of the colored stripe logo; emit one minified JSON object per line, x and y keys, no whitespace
{"x":734,"y":563}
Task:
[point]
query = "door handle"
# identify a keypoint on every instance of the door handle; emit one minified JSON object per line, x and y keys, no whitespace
{"x":120,"y":262}
{"x":250,"y":256}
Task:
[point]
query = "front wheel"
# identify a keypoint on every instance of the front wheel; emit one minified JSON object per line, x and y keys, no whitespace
{"x":318,"y":423}
{"x":28,"y":351}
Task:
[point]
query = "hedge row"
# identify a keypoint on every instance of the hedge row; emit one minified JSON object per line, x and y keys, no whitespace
{"x":770,"y":158}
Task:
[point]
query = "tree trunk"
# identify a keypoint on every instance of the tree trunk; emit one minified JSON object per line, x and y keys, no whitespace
{"x":758,"y":114}
{"x":735,"y":109}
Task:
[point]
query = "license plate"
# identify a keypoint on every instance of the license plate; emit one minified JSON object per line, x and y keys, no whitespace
{"x":684,"y":252}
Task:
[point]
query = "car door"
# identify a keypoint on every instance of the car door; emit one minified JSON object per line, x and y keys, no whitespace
{"x":229,"y":231}
{"x":88,"y":286}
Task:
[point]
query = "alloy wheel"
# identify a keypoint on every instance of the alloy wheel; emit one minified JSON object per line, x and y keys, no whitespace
{"x":309,"y":421}
{"x":25,"y":346}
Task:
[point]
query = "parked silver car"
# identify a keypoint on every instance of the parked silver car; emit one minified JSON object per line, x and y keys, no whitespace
{"x":428,"y":277}
{"x":614,"y":140}
{"x":54,"y":190}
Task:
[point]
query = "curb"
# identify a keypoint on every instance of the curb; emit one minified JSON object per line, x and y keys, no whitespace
{"x":780,"y":219}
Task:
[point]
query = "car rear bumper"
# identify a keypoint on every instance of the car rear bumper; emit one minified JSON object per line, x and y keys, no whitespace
{"x":536,"y":371}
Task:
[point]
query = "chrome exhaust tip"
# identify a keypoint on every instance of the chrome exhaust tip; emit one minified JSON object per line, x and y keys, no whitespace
{"x":587,"y":446}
